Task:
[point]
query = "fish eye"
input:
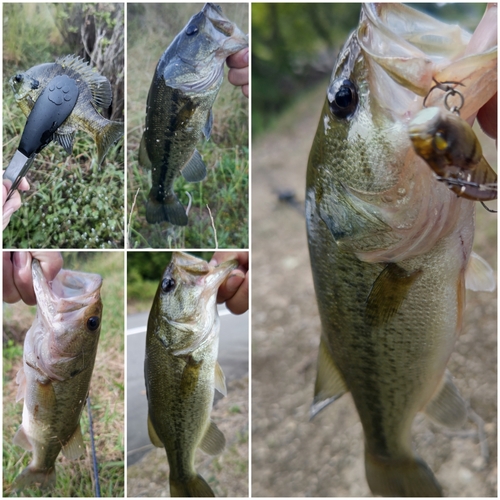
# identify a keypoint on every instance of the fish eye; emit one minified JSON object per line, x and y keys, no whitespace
{"x":167,"y":285}
{"x":93,"y":323}
{"x":18,"y":78}
{"x":343,"y":98}
{"x":35,"y":84}
{"x":192,"y":29}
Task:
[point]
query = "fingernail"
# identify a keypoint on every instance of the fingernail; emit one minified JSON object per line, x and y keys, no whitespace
{"x":20,"y":259}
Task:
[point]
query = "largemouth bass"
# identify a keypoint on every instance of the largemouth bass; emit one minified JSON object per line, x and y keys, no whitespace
{"x":94,"y":91}
{"x":181,"y":368}
{"x":186,"y":82}
{"x":59,"y":354}
{"x":390,"y":246}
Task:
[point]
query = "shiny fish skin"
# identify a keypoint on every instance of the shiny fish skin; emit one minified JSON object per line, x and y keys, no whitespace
{"x":390,"y":246}
{"x":94,"y":90}
{"x":59,"y":356}
{"x":186,"y":82}
{"x":181,"y":368}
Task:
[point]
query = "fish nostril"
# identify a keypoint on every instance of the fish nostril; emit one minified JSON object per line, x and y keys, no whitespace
{"x":35,"y":84}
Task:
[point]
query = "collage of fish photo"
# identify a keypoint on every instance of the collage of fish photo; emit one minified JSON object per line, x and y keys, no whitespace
{"x":249,"y":249}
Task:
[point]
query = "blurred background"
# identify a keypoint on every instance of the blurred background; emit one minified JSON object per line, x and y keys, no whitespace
{"x":293,"y":52}
{"x":147,"y":466}
{"x":151,"y":28}
{"x":75,"y":477}
{"x":71,"y":203}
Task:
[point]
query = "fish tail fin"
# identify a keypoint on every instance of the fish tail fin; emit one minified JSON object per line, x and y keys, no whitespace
{"x":169,"y":209}
{"x":409,"y":477}
{"x":194,"y":487}
{"x":33,"y":477}
{"x":106,"y":137}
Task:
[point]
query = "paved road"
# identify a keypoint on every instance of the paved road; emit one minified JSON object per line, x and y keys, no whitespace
{"x":233,"y":358}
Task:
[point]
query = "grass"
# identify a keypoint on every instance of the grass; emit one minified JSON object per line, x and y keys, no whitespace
{"x":225,"y":190}
{"x":74,"y":478}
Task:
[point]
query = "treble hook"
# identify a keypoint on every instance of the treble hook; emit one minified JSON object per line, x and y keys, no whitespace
{"x":449,"y":92}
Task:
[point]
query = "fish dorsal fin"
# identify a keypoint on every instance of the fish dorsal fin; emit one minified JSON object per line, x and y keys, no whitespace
{"x":388,"y":293}
{"x":21,"y":381}
{"x":447,"y":406}
{"x":330,"y":384}
{"x":479,"y":276}
{"x":220,"y":380}
{"x":213,"y":441}
{"x":22,"y":440}
{"x":195,"y":169}
{"x":153,"y":436}
{"x":66,"y":141}
{"x":75,"y":447}
{"x":99,"y":85}
{"x":144,"y":160}
{"x":207,"y":129}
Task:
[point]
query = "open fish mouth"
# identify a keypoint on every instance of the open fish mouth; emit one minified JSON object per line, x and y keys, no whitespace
{"x":70,"y":291}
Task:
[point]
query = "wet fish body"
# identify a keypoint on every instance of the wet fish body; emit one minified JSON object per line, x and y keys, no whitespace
{"x":59,"y":355}
{"x":390,"y":246}
{"x":94,"y":91}
{"x":186,"y":82}
{"x":181,"y":368}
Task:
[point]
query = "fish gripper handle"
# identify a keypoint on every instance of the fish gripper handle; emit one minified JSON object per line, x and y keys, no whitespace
{"x":51,"y":109}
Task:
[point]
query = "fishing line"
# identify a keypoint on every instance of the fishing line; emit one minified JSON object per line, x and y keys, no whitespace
{"x":94,"y":459}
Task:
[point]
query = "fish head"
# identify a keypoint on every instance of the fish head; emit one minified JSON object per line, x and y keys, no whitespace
{"x":28,"y":85}
{"x":203,"y":46}
{"x":364,"y":178}
{"x":69,"y":313}
{"x":186,"y":300}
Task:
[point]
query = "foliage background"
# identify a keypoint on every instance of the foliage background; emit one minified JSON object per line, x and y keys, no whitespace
{"x":75,"y":477}
{"x":151,"y":28}
{"x":71,"y":202}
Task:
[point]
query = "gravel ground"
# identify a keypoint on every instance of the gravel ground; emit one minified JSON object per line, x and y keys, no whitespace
{"x":292,"y":456}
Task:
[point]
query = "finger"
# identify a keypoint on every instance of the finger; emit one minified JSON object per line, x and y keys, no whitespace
{"x":238,"y":60}
{"x":487,"y":117}
{"x":485,"y":35}
{"x":10,"y":292}
{"x":245,"y":90}
{"x":241,"y":257}
{"x":23,"y":185}
{"x":10,"y":206}
{"x":23,"y":280}
{"x":50,"y":262}
{"x":238,"y":77}
{"x":238,"y":303}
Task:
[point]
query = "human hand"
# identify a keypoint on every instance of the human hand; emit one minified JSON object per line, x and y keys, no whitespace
{"x":17,"y":278}
{"x":234,"y":291}
{"x":14,"y":203}
{"x":484,"y":37}
{"x":238,"y":74}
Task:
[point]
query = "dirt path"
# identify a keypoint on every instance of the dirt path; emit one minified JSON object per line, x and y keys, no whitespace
{"x":290,"y":455}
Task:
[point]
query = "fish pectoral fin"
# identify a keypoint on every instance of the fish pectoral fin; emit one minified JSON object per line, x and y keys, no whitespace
{"x":207,"y":129}
{"x":330,"y":384}
{"x":66,"y":141}
{"x":144,"y":160}
{"x":447,"y":406}
{"x":213,"y":441}
{"x":220,"y":380}
{"x":195,"y":169}
{"x":153,"y":436}
{"x":22,"y":440}
{"x":75,"y":447}
{"x":388,"y":293}
{"x":479,"y":276}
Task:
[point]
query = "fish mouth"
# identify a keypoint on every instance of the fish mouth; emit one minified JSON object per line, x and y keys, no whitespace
{"x":70,"y":291}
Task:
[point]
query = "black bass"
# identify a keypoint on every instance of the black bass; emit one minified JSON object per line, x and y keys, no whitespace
{"x":59,"y":354}
{"x":186,"y":82}
{"x":94,"y":90}
{"x":390,"y":246}
{"x":181,"y":368}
